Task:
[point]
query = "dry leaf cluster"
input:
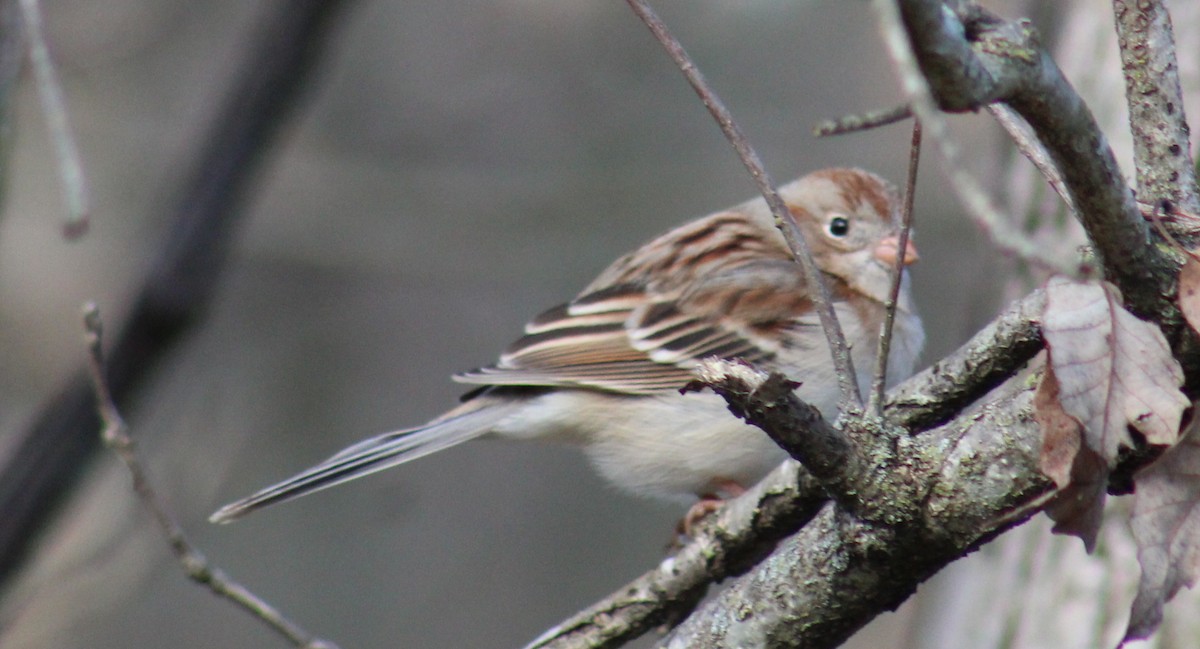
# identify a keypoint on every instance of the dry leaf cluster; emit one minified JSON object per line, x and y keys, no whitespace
{"x":1110,"y":383}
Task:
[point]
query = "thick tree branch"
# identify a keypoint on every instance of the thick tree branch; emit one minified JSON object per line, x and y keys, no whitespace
{"x":940,"y":43}
{"x":973,"y":58}
{"x":973,"y":478}
{"x":740,"y":534}
{"x":51,"y":453}
{"x":938,"y":393}
{"x":769,"y":402}
{"x":1161,"y":150}
{"x":1004,"y":235}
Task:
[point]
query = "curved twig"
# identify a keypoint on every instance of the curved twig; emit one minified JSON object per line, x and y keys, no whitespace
{"x":970,"y":59}
{"x":196,"y":566}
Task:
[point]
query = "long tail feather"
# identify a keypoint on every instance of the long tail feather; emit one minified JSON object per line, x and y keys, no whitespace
{"x":374,"y":454}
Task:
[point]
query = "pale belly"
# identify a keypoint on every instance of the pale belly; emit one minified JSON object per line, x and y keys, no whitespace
{"x":675,"y":446}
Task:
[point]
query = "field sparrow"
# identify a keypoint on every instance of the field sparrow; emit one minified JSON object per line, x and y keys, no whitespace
{"x":603,"y":371}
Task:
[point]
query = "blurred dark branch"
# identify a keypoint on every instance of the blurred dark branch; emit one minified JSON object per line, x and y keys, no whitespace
{"x":280,"y":58}
{"x":1161,"y":151}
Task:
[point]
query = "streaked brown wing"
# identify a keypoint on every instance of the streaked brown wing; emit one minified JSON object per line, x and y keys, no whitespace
{"x":584,"y":344}
{"x":630,"y":340}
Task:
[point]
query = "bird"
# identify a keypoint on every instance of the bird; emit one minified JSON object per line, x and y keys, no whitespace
{"x":604,"y":371}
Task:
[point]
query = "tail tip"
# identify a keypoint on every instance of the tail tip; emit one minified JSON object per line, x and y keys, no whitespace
{"x":228,"y":514}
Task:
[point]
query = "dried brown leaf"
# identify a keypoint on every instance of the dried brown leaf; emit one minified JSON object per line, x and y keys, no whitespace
{"x":1166,"y":527}
{"x":1080,"y":473}
{"x":1078,"y":509}
{"x":1114,"y":370}
{"x":1189,"y":292}
{"x":1061,"y":433}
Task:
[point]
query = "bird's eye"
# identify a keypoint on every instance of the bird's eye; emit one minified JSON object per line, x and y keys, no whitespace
{"x":839,"y":226}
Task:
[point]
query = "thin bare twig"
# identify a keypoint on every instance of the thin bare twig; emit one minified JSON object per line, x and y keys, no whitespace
{"x":847,"y":381}
{"x":1027,"y":143}
{"x":875,"y":401}
{"x":58,"y":124}
{"x":866,"y":121}
{"x":115,"y":434}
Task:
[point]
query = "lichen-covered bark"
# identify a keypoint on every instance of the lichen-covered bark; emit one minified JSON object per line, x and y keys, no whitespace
{"x":973,"y":478}
{"x":994,"y":354}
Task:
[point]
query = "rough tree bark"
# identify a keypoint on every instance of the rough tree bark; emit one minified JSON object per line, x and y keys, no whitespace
{"x":1030,"y":589}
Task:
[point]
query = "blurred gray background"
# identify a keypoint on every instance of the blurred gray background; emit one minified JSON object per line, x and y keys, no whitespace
{"x":461,"y":166}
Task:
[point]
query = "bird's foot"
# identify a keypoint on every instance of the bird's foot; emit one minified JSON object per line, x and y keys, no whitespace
{"x":723,"y":489}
